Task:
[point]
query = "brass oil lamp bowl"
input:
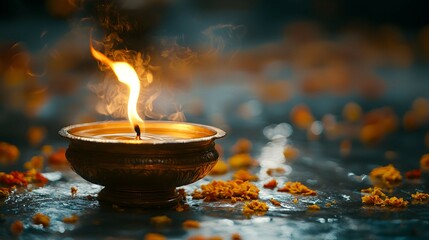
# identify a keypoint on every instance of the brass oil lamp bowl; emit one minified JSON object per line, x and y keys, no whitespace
{"x":146,"y":172}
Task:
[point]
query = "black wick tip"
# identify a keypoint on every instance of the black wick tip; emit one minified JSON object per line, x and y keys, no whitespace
{"x":137,"y":129}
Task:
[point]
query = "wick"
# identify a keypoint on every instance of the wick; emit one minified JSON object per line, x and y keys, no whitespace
{"x":137,"y":129}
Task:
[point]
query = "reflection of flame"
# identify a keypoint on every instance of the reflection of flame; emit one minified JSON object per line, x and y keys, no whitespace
{"x":125,"y":74}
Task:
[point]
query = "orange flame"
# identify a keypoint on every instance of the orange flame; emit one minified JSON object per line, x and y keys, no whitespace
{"x":125,"y":74}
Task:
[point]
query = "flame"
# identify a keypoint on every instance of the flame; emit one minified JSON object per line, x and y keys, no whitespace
{"x":125,"y":74}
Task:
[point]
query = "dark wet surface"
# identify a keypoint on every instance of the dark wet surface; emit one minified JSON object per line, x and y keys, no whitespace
{"x":336,"y":179}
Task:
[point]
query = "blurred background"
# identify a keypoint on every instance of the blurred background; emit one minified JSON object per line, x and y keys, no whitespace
{"x":322,"y":91}
{"x":243,"y":66}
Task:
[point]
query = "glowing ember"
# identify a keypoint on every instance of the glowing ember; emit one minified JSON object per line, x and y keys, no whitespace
{"x":125,"y":74}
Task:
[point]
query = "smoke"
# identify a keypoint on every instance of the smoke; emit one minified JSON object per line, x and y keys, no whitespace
{"x":177,"y":116}
{"x":176,"y":55}
{"x":164,"y":64}
{"x":112,"y":94}
{"x":224,"y":37}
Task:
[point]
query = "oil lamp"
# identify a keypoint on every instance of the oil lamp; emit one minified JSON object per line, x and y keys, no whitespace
{"x":140,"y":163}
